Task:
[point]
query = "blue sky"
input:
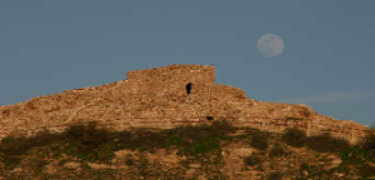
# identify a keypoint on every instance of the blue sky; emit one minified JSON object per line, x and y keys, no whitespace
{"x":50,"y":46}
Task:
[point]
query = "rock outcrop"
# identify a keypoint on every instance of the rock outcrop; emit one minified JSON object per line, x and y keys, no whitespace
{"x":157,"y":98}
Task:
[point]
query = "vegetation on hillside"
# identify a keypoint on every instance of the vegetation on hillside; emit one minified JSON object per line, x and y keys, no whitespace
{"x":202,"y":146}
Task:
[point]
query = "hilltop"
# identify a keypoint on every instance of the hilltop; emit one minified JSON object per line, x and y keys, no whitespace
{"x":157,"y":98}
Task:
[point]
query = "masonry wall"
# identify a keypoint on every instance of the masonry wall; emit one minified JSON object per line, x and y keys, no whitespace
{"x":171,"y":80}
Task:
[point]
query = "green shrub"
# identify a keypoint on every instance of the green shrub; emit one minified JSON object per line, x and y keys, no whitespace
{"x":294,"y":137}
{"x":189,"y":140}
{"x":353,"y":156}
{"x":321,"y":143}
{"x":222,"y":127}
{"x":252,"y":160}
{"x":368,"y":145}
{"x":200,"y":140}
{"x":129,"y":161}
{"x":315,"y":172}
{"x":13,"y":147}
{"x":326,"y":143}
{"x":278,"y":151}
{"x":89,"y":135}
{"x":275,"y":176}
{"x":258,"y":140}
{"x":369,"y":142}
{"x":89,"y":142}
{"x":45,"y":137}
{"x":366,"y":171}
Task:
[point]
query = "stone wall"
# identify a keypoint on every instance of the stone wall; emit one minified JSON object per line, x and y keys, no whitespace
{"x":157,"y":98}
{"x":171,"y":79}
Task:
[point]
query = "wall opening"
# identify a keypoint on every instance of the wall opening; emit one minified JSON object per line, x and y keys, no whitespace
{"x":188,"y":87}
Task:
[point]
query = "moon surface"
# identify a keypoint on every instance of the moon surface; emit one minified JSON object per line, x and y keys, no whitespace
{"x":270,"y":45}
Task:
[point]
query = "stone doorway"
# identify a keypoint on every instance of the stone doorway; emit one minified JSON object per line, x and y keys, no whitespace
{"x":189,"y":87}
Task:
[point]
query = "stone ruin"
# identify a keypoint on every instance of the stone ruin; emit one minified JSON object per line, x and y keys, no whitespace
{"x":159,"y":98}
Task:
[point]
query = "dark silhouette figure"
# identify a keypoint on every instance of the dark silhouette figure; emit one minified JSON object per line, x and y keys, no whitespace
{"x":188,"y":88}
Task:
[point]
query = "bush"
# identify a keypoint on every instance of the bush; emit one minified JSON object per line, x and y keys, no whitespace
{"x":294,"y":137}
{"x":258,"y":140}
{"x":275,"y":176}
{"x":321,"y":143}
{"x":327,"y":143}
{"x":277,"y":151}
{"x":129,"y":161}
{"x":252,"y":160}
{"x":315,"y":172}
{"x":13,"y":147}
{"x":222,"y":127}
{"x":89,"y":142}
{"x":366,"y":171}
{"x":189,"y":140}
{"x":368,"y":142}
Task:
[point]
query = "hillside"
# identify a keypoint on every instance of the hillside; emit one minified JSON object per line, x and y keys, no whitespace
{"x":169,"y":128}
{"x":213,"y":151}
{"x":157,"y":98}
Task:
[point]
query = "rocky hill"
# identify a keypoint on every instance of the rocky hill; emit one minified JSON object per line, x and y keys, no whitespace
{"x":157,"y":98}
{"x":175,"y":122}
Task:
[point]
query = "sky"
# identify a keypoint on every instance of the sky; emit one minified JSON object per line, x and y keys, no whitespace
{"x":326,"y":59}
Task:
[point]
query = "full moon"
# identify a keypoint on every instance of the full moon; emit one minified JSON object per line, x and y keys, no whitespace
{"x":270,"y":45}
